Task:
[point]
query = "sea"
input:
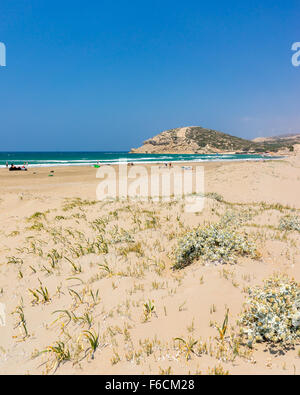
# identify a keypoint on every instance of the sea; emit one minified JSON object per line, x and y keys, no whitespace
{"x":48,"y":159}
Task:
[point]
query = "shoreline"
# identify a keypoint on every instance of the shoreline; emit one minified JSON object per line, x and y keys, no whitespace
{"x":79,"y":159}
{"x":183,"y":162}
{"x":71,"y":168}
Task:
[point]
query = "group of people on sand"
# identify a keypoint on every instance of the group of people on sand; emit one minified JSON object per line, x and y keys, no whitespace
{"x":108,"y":164}
{"x":15,"y":168}
{"x":168,"y":165}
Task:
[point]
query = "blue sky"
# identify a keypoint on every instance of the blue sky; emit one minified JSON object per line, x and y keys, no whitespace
{"x":106,"y":75}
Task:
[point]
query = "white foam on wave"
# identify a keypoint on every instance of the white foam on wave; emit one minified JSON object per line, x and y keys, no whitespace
{"x":143,"y":160}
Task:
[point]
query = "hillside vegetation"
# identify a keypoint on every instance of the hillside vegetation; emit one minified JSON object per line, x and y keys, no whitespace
{"x":195,"y":139}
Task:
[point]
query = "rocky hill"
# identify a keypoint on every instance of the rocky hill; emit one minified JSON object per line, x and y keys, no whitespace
{"x":289,"y":138}
{"x":198,"y":140}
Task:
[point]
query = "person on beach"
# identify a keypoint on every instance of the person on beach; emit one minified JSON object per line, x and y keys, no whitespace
{"x":6,"y":165}
{"x":14,"y":168}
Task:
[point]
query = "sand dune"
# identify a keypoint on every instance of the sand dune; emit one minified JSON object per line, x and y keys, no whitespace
{"x":76,"y":273}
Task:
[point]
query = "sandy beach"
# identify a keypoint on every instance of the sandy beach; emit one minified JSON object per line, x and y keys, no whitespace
{"x":89,"y":287}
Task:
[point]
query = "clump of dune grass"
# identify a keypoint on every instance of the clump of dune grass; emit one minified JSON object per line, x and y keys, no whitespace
{"x":218,"y":371}
{"x":76,"y":203}
{"x":60,"y":351}
{"x":36,"y":215}
{"x":36,"y":226}
{"x":214,"y":195}
{"x":272,"y":312}
{"x":121,"y":236}
{"x":133,"y":247}
{"x":149,"y":309}
{"x":40,"y":294}
{"x":215,"y":244}
{"x":187,"y":346}
{"x":290,"y":222}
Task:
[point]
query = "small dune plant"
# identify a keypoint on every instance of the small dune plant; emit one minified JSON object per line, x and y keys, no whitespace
{"x":93,"y":339}
{"x":213,"y":243}
{"x":61,"y":354}
{"x":290,"y":222}
{"x":222,"y":329}
{"x":187,"y":346}
{"x":40,"y":294}
{"x":272,"y":312}
{"x":218,"y":371}
{"x":149,"y":309}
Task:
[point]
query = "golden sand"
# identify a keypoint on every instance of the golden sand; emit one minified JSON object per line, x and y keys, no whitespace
{"x":71,"y":266}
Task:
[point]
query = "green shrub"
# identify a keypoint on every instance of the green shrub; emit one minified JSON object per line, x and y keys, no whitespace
{"x":236,"y":218}
{"x":213,"y":243}
{"x":272,"y":312}
{"x":290,"y":222}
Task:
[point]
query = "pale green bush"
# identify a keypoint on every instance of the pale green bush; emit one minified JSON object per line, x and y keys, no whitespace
{"x":272,"y":312}
{"x":290,"y":222}
{"x":213,"y":244}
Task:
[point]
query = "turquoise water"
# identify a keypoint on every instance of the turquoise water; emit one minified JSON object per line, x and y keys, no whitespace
{"x":43,"y":159}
